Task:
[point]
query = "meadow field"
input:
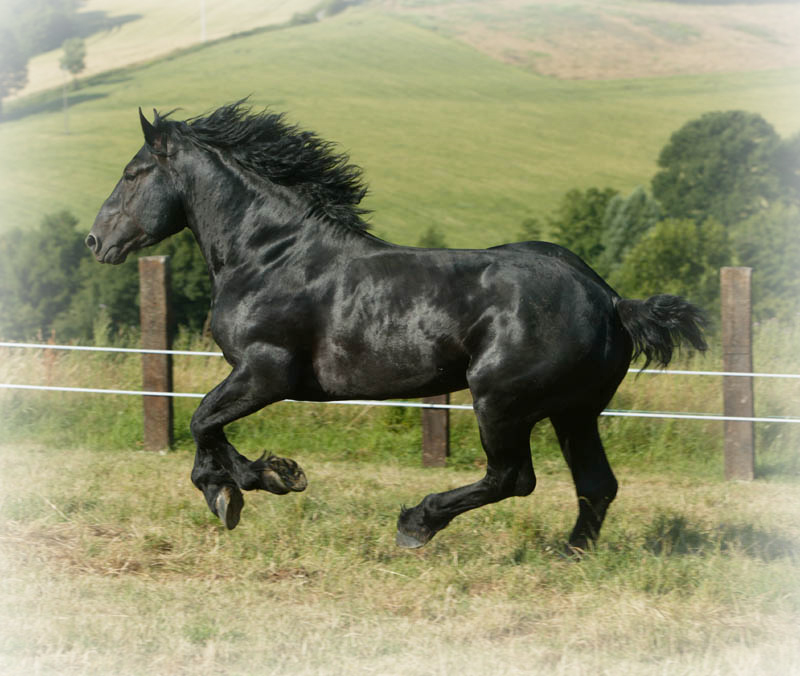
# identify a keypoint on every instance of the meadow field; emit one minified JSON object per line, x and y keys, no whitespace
{"x":119,"y":34}
{"x":626,"y":38}
{"x":111,"y":562}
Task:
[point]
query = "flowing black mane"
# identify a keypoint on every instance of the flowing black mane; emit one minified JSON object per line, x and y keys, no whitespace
{"x":266,"y":145}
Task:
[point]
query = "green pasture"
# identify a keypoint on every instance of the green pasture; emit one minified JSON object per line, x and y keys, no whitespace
{"x":110,"y":562}
{"x":446,"y":135}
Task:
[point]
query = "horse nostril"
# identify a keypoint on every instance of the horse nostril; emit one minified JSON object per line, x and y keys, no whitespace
{"x":92,"y":242}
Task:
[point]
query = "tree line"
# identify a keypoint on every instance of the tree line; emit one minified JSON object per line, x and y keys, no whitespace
{"x":727,"y":192}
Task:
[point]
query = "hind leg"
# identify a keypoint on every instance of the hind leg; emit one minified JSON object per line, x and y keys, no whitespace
{"x":509,"y":472}
{"x":595,"y":483}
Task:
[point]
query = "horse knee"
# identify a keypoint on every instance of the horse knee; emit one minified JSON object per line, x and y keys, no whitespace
{"x":196,"y":427}
{"x":202,"y":433}
{"x":513,"y":482}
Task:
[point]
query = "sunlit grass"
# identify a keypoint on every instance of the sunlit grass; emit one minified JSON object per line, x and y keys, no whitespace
{"x":112,"y":564}
{"x":151,"y":28}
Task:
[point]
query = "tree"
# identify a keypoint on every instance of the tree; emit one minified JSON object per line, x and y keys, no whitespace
{"x":677,"y":256}
{"x":769,"y":242}
{"x":725,"y":165}
{"x":49,"y":281}
{"x":103,"y":291}
{"x":13,"y":66}
{"x":578,"y":221}
{"x":39,"y":275}
{"x":30,"y":27}
{"x":787,"y":163}
{"x":73,"y":59}
{"x":530,"y":230}
{"x":625,"y":220}
{"x":42,"y":25}
{"x":432,"y":238}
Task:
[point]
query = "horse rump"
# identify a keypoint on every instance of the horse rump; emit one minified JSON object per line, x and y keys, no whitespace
{"x":660,"y":324}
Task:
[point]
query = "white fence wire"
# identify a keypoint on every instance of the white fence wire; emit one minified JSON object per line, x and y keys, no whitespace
{"x":405,"y":404}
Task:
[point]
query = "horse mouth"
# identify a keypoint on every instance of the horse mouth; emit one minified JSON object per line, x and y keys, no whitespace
{"x":114,"y":255}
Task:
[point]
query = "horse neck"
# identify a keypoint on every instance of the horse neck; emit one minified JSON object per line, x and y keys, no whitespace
{"x":236,"y":218}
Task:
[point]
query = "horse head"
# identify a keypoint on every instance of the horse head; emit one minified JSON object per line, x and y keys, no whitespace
{"x":145,"y":206}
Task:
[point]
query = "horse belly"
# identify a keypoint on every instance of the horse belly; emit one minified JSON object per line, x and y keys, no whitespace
{"x":394,"y":362}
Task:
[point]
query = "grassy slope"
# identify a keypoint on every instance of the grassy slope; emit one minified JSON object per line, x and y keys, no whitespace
{"x":610,"y":39}
{"x":446,"y":135}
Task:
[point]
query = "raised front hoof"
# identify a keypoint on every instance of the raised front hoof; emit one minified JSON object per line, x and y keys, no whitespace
{"x":228,"y":505}
{"x":281,"y":475}
{"x":411,"y":533}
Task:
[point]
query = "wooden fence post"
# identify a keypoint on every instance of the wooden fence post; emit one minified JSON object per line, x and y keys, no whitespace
{"x":737,"y":356}
{"x":156,"y":368}
{"x":435,"y":432}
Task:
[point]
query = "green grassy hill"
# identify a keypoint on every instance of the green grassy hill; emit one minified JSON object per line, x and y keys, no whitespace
{"x":446,"y":134}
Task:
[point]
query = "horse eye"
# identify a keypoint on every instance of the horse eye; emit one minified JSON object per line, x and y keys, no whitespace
{"x":129,"y":176}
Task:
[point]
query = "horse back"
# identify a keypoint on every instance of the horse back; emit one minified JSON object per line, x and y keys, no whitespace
{"x":424,"y":318}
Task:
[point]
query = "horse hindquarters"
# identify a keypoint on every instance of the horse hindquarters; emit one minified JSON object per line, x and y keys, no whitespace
{"x":528,"y":360}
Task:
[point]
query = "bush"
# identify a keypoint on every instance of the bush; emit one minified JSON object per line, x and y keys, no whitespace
{"x":677,"y":256}
{"x":39,"y":275}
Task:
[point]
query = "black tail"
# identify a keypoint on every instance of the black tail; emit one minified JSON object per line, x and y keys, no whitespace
{"x":660,"y":324}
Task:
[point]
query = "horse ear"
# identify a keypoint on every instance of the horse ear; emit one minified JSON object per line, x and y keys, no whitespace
{"x":152,"y":136}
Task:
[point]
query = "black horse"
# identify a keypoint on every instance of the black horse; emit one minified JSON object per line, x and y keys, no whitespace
{"x":307,"y":305}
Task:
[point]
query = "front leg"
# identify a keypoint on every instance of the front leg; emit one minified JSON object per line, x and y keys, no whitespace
{"x":220,"y":471}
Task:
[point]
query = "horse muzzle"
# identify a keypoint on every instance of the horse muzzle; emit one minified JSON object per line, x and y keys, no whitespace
{"x":113,"y":254}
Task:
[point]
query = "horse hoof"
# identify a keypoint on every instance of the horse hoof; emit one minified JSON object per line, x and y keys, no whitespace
{"x":229,"y":505}
{"x":408,"y":541}
{"x":573,"y":553}
{"x":411,"y":533}
{"x":282,"y":475}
